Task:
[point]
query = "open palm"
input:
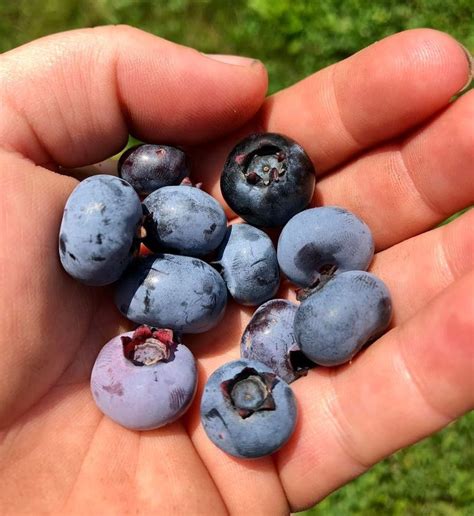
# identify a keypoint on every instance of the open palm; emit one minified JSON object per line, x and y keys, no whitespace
{"x":387,"y":143}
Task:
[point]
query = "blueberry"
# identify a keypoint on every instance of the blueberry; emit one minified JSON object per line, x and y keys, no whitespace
{"x":148,"y":167}
{"x":143,"y":379}
{"x":323,"y":241}
{"x":267,"y":179}
{"x":269,"y":338}
{"x":168,"y":291}
{"x":246,"y":410}
{"x":337,"y":320}
{"x":248,"y":263}
{"x":97,"y":238}
{"x":183,"y":219}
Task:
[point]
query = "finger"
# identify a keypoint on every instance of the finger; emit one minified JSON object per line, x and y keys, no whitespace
{"x":158,"y":467}
{"x":420,"y":268}
{"x":407,"y":385}
{"x":72,"y":98}
{"x":40,"y":327}
{"x":376,"y":94}
{"x":405,"y":188}
{"x":370,"y":97}
{"x":96,"y":466}
{"x":243,"y":484}
{"x":443,"y":255}
{"x":447,"y":250}
{"x":257,"y":478}
{"x":108,"y":166}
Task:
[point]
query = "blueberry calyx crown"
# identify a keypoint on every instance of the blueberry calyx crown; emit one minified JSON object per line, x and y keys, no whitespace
{"x":250,"y":391}
{"x":265,"y":164}
{"x":148,"y":346}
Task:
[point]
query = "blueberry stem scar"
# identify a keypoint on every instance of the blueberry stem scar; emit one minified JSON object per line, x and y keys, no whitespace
{"x":267,"y":179}
{"x":250,"y":391}
{"x":265,"y":163}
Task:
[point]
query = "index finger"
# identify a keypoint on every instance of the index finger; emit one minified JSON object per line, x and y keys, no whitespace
{"x":338,"y":112}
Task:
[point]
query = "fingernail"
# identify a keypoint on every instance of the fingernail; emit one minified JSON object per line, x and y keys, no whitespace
{"x":470,"y":66}
{"x":233,"y":60}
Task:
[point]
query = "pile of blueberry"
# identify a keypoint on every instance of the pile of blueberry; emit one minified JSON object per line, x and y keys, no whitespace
{"x":168,"y":249}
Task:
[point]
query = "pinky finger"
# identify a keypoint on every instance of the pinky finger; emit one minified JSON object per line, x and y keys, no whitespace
{"x":409,"y":384}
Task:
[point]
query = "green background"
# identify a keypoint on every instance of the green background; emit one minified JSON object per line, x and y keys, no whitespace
{"x":294,"y":38}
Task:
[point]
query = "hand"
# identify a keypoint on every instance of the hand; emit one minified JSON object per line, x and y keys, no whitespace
{"x":387,"y":144}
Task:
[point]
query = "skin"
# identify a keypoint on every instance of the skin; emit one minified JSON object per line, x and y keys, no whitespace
{"x":393,"y":98}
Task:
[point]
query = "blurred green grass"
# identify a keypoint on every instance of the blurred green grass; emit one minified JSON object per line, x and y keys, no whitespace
{"x":432,"y":478}
{"x":294,"y":38}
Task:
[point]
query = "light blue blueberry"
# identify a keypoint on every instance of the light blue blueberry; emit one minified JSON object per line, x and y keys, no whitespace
{"x":253,"y":435}
{"x":323,"y":240}
{"x":97,"y":238}
{"x":337,"y":320}
{"x":248,"y":264}
{"x":169,"y":291}
{"x":183,"y":219}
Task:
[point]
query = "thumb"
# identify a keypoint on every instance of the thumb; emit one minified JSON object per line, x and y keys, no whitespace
{"x":73,"y":98}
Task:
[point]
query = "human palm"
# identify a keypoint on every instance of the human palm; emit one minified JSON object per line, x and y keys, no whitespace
{"x":387,"y":144}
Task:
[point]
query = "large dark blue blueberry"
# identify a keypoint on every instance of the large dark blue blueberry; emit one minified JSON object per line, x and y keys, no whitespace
{"x":269,"y":338}
{"x":323,"y":241}
{"x":246,"y":410}
{"x":267,"y":179}
{"x":337,"y":320}
{"x":168,"y":291}
{"x":148,"y":167}
{"x":248,"y":264}
{"x":144,"y":379}
{"x":98,"y":234}
{"x":184,"y":220}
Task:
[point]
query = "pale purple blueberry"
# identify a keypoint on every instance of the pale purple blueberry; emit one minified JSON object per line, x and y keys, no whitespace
{"x":269,"y":338}
{"x":144,"y":379}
